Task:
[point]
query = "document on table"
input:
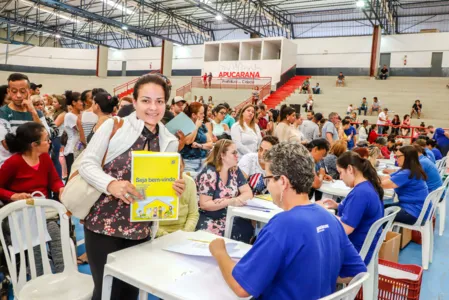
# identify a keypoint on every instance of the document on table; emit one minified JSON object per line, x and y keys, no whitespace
{"x":201,"y":248}
{"x":181,"y":122}
{"x":339,"y":184}
{"x":259,"y":203}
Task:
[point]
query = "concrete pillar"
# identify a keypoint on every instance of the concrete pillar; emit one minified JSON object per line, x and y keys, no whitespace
{"x":375,"y":51}
{"x":102,"y":61}
{"x":166,"y":58}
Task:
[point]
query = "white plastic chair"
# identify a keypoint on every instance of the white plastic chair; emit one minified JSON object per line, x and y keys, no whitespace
{"x":426,"y":229}
{"x":70,"y":284}
{"x":442,"y":207}
{"x":370,"y":289}
{"x":441,"y":166}
{"x":351,"y":290}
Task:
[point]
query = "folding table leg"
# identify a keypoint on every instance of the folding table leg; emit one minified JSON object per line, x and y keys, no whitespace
{"x":143,"y":295}
{"x":107,"y":286}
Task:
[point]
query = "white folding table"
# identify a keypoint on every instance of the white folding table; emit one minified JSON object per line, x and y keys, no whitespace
{"x":166,"y":274}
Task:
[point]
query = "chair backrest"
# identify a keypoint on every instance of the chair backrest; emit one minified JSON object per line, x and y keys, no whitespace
{"x":351,"y":290}
{"x":24,"y":210}
{"x":386,"y":222}
{"x":432,"y":201}
{"x":441,"y":165}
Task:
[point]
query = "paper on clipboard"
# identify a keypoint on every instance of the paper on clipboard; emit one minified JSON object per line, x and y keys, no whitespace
{"x":201,"y":248}
{"x":181,"y":122}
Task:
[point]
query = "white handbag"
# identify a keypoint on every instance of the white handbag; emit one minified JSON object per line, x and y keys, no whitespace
{"x":78,"y":195}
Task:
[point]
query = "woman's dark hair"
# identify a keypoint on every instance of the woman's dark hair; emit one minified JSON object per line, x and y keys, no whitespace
{"x":320,"y":144}
{"x":71,"y":97}
{"x":270,"y":139}
{"x":286,"y":111}
{"x":25,"y":135}
{"x":275,"y":114}
{"x":125,"y":111}
{"x":155,"y":79}
{"x":411,"y":162}
{"x":95,"y":91}
{"x":3,"y":93}
{"x":219,"y":107}
{"x":192,"y":108}
{"x":84,"y":95}
{"x":431,"y":143}
{"x":365,"y":122}
{"x":372,"y":128}
{"x":206,"y":108}
{"x":106,"y":102}
{"x":363,"y":165}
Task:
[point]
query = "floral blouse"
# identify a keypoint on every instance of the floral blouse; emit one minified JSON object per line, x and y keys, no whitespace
{"x":111,"y":216}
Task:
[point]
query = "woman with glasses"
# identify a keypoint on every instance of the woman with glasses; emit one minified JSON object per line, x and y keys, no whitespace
{"x":409,"y":183}
{"x":217,"y":127}
{"x":221,"y":184}
{"x":303,"y":251}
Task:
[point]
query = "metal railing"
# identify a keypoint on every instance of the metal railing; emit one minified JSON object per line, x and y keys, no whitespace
{"x":263,"y":93}
{"x":182,"y":91}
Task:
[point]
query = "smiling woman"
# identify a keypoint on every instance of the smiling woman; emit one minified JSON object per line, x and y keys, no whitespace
{"x":107,"y":226}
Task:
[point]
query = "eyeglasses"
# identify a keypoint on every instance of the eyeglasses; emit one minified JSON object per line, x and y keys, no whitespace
{"x":222,"y":113}
{"x":266,"y":179}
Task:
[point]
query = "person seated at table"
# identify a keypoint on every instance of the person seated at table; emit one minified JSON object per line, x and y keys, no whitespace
{"x":28,"y":170}
{"x":409,"y":183}
{"x":363,"y":206}
{"x":381,"y":143}
{"x":423,"y":143}
{"x":187,"y":210}
{"x":432,"y":146}
{"x":252,"y":165}
{"x":362,"y":151}
{"x":221,"y":184}
{"x":374,"y":155}
{"x":330,"y":161}
{"x":318,"y":149}
{"x":303,"y":251}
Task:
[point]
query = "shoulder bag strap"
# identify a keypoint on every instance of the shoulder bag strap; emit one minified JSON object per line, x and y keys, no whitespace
{"x":117,"y":125}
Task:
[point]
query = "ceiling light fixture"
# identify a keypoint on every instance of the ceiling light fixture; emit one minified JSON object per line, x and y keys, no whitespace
{"x":218,"y":18}
{"x":360,"y":3}
{"x":124,"y":27}
{"x":57,"y":36}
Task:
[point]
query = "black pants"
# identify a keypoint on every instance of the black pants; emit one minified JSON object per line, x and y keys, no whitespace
{"x":98,"y":246}
{"x":69,"y":162}
{"x":383,"y":76}
{"x":402,"y":216}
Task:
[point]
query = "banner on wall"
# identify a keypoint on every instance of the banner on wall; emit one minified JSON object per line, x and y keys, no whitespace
{"x":239,"y":75}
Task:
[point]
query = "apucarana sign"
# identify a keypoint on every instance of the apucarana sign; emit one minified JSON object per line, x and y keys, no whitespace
{"x":239,"y":75}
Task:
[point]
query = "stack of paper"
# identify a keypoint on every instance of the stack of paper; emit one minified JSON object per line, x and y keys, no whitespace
{"x":259,"y":203}
{"x":339,"y":184}
{"x":201,"y":248}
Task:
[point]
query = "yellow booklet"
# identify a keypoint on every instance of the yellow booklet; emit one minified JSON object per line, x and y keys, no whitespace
{"x":153,"y":175}
{"x":266,"y":197}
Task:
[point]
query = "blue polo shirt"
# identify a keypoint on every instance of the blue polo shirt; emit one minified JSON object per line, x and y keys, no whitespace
{"x":348,"y":132}
{"x":299,"y":254}
{"x":430,"y":155}
{"x":437,"y":154}
{"x":360,"y":209}
{"x":433,"y":176}
{"x":411,"y":192}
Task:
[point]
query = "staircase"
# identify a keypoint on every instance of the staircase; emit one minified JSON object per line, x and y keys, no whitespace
{"x":127,"y":88}
{"x":284,"y":91}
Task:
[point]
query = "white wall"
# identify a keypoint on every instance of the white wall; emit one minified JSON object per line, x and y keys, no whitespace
{"x":289,"y":50}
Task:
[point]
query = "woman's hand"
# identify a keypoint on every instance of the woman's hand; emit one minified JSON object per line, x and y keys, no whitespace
{"x":198,"y":123}
{"x":124,"y":190}
{"x":179,"y":186}
{"x":20,"y":196}
{"x":61,"y":190}
{"x":328,"y":203}
{"x":196,"y":145}
{"x":237,"y":202}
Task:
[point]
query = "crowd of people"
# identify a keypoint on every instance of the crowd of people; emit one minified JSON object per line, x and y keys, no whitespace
{"x":229,"y":157}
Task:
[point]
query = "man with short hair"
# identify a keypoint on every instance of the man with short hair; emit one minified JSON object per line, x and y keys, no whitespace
{"x":340,"y":80}
{"x":317,"y":89}
{"x":363,"y":106}
{"x":375,"y":106}
{"x":383,"y":73}
{"x":177,"y":105}
{"x":329,"y":131}
{"x":19,"y":111}
{"x":310,"y":128}
{"x":382,"y":120}
{"x":423,"y":143}
{"x":350,"y":133}
{"x":35,"y":89}
{"x":310,"y":115}
{"x":228,"y":120}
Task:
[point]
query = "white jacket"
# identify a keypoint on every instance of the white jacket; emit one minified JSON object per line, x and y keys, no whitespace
{"x":90,"y":166}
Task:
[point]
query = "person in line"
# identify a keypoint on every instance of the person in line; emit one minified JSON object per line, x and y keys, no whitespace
{"x":396,"y":122}
{"x":330,"y":160}
{"x":60,"y":106}
{"x":409,"y":183}
{"x":291,"y":256}
{"x":124,"y":101}
{"x":310,"y":128}
{"x":20,"y":110}
{"x":220,"y":184}
{"x":363,"y":106}
{"x":364,"y":205}
{"x":340,"y":80}
{"x":363,"y":132}
{"x":252,"y":165}
{"x":35,"y":89}
{"x":219,"y":129}
{"x":198,"y":142}
{"x":297,"y":127}
{"x":406,"y":123}
{"x":382,"y":121}
{"x":383,"y":73}
{"x":246,"y":133}
{"x":229,"y":120}
{"x":88,"y":118}
{"x":284,"y":130}
{"x":316,"y":89}
{"x":177,"y":105}
{"x":318,"y":149}
{"x":107,"y":227}
{"x":416,"y":108}
{"x":103,"y":106}
{"x":255,"y":94}
{"x":375,"y":107}
{"x":441,"y":136}
{"x":350,"y":133}
{"x":266,"y":126}
{"x":71,"y":129}
{"x":209,"y":79}
{"x":372,"y":135}
{"x":188,"y":214}
{"x":432,"y":146}
{"x":329,"y":131}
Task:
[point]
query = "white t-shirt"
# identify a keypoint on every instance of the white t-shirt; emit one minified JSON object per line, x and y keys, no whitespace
{"x":249,"y":163}
{"x":381,"y":116}
{"x":72,"y":133}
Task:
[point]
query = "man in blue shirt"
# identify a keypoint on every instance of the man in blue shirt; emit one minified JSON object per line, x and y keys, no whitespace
{"x":422,"y":143}
{"x":441,"y":137}
{"x":302,"y":252}
{"x":432,"y":146}
{"x":350,"y":132}
{"x":433,"y":176}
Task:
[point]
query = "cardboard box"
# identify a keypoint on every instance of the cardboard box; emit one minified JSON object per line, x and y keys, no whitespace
{"x":406,"y":237}
{"x":390,"y":247}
